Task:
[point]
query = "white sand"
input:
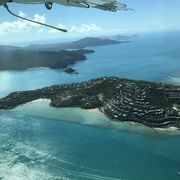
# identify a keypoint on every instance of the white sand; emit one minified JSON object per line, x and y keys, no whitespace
{"x":41,"y":108}
{"x":95,"y":110}
{"x":170,"y":129}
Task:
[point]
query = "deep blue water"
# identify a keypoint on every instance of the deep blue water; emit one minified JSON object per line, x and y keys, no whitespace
{"x":38,"y":142}
{"x":152,"y":57}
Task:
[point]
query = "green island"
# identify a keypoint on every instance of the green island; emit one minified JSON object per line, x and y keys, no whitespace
{"x":54,"y":56}
{"x":155,"y":105}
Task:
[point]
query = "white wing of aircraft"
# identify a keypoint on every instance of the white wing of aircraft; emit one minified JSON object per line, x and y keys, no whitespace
{"x":109,"y":5}
{"x":106,"y":5}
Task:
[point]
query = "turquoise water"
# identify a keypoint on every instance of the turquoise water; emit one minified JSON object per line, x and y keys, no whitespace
{"x":38,"y":142}
{"x":79,"y":145}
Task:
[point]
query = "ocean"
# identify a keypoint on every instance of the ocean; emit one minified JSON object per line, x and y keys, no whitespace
{"x":41,"y":142}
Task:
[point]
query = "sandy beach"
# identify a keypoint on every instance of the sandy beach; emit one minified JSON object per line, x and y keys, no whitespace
{"x":95,"y":110}
{"x":170,"y":129}
{"x":36,"y":107}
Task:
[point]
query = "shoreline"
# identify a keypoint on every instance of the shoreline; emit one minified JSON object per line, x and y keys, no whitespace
{"x":97,"y":111}
{"x":121,"y":100}
{"x":169,"y":129}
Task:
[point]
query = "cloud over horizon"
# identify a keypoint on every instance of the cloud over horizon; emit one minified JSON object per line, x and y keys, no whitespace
{"x":83,"y":28}
{"x":21,"y":26}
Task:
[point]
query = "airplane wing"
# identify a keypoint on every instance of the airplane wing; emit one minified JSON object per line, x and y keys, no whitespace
{"x":107,"y":5}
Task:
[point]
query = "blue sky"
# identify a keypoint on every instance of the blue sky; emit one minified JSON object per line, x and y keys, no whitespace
{"x":149,"y":16}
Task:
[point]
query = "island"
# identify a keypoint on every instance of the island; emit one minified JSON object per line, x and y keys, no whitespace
{"x":55,"y":56}
{"x":70,"y":71}
{"x":79,"y":44}
{"x":155,"y":105}
{"x":22,"y":59}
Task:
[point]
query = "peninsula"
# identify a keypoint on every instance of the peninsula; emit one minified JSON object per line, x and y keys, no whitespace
{"x":55,"y":56}
{"x":22,"y":59}
{"x":151,"y":104}
{"x":79,"y":44}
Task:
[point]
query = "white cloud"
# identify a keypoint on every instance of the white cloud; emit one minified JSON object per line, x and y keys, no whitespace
{"x":85,"y":28}
{"x":56,"y":31}
{"x":41,"y":30}
{"x":20,"y":29}
{"x":22,"y":14}
{"x":21,"y":26}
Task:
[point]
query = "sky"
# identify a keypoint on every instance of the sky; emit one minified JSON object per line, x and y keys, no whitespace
{"x":149,"y":16}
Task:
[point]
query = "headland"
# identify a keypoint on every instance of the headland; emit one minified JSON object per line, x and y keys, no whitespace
{"x":154,"y":105}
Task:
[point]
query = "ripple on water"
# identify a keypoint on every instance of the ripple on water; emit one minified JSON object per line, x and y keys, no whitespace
{"x":28,"y":149}
{"x":19,"y":159}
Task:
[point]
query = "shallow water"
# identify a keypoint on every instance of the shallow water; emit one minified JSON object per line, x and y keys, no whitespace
{"x":76,"y":144}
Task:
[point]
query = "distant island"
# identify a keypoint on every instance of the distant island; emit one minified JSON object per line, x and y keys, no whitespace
{"x":70,"y":71}
{"x":22,"y":59}
{"x":55,"y":56}
{"x":79,"y":44}
{"x":154,"y":105}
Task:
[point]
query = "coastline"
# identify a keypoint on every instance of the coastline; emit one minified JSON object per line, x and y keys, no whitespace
{"x":98,"y":111}
{"x":120,"y":100}
{"x":169,"y":129}
{"x":39,"y":105}
{"x":95,"y":110}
